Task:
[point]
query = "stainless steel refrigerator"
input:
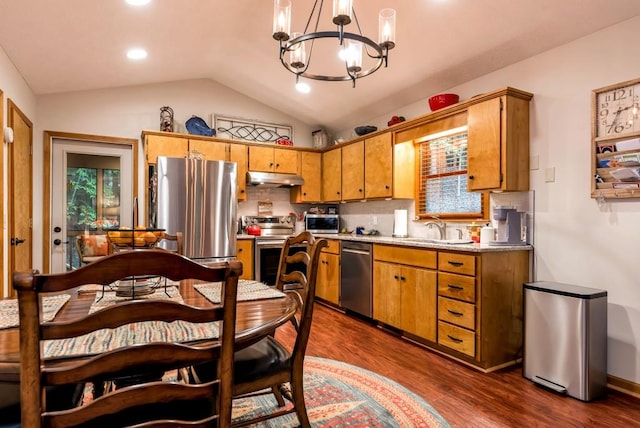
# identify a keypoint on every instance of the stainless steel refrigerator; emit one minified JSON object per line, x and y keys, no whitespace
{"x":198,"y":198}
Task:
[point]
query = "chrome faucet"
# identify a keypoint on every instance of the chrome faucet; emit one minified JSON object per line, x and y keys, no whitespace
{"x":438,"y":224}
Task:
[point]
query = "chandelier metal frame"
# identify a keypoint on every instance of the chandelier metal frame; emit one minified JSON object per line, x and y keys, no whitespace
{"x":375,"y":51}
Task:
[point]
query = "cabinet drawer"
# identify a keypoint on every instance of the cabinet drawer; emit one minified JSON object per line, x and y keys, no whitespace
{"x":457,"y":338}
{"x":458,"y":313}
{"x":406,"y":256}
{"x":457,"y":286}
{"x":333,"y":247}
{"x":457,"y":263}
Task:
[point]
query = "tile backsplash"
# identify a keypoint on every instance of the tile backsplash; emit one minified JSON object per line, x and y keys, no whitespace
{"x":379,"y":215}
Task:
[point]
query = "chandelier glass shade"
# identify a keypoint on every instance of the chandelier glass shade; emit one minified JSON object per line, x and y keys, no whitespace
{"x":296,"y":49}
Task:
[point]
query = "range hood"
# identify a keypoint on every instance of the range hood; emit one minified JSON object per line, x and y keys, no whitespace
{"x":273,"y":179}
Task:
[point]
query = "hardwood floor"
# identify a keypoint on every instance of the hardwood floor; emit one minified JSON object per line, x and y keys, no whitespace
{"x":462,"y":395}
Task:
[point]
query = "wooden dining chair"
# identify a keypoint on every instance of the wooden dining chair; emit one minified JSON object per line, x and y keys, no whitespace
{"x":91,"y":248}
{"x":268,"y":364}
{"x":176,"y":242}
{"x":166,"y":403}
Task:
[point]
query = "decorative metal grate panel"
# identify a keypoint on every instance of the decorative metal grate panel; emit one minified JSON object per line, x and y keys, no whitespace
{"x":250,"y":130}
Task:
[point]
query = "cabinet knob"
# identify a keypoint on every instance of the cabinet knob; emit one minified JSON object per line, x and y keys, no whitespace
{"x":402,"y":278}
{"x":239,"y":250}
{"x":360,"y":190}
{"x":386,"y":187}
{"x":395,"y":276}
{"x":277,"y":165}
{"x":241,"y":190}
{"x":471,"y":177}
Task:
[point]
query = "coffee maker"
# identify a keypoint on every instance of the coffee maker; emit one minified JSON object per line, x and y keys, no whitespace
{"x":509,"y":226}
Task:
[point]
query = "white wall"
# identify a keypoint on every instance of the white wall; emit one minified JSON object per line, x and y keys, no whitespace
{"x":16,"y":89}
{"x":577,"y":240}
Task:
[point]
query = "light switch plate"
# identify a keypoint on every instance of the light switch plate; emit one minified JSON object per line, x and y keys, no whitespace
{"x":534,"y":162}
{"x":550,"y":175}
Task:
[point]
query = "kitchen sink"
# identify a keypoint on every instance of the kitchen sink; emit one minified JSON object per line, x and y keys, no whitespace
{"x":440,"y":241}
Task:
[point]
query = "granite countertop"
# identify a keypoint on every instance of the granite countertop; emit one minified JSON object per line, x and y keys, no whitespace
{"x":416,"y":242}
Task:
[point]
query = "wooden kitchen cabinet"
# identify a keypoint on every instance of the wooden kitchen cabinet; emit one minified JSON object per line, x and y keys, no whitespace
{"x":163,"y":145}
{"x":378,"y":166}
{"x":332,"y":175}
{"x":498,"y":143}
{"x":210,"y":150}
{"x":353,"y":166}
{"x":239,"y":154}
{"x":244,"y":250}
{"x":328,"y":280}
{"x":404,"y":289}
{"x":273,"y":159}
{"x":179,"y":147}
{"x":311,"y":170}
{"x":367,"y":168}
{"x":480,"y":306}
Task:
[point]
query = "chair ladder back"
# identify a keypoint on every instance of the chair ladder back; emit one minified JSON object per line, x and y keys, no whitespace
{"x":129,"y":404}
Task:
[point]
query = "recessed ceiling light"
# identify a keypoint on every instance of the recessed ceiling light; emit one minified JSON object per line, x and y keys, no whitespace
{"x":136,"y":53}
{"x":303,"y":87}
{"x":138,"y":2}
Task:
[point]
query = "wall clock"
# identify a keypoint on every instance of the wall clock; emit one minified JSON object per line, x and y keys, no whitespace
{"x":615,"y":141}
{"x":616,"y":109}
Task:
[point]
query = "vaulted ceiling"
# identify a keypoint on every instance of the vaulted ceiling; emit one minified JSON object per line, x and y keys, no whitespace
{"x":76,"y":45}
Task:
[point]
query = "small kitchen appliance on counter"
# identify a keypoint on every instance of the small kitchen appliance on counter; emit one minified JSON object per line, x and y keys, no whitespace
{"x":509,"y":230}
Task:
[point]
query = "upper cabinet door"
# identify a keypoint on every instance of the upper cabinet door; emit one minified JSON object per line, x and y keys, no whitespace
{"x":311,"y":171}
{"x":378,"y":166}
{"x":484,"y":143}
{"x":239,"y":154}
{"x":332,"y":175}
{"x":286,"y":161}
{"x":159,"y":145}
{"x":353,"y":171}
{"x":498,"y":144}
{"x":261,"y":159}
{"x":210,"y":150}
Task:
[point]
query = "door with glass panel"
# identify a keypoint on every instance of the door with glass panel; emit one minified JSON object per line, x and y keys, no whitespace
{"x":91,"y":193}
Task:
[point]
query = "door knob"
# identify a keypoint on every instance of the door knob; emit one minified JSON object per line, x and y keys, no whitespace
{"x":17,"y":241}
{"x":58,"y":242}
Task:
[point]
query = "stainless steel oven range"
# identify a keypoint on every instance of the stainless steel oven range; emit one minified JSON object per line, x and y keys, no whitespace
{"x":268,"y":246}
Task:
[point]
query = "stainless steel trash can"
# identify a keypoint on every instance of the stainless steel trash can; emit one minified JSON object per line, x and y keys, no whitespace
{"x":565,"y":338}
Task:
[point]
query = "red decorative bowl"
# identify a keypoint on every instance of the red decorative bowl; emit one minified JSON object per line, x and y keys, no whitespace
{"x":437,"y":102}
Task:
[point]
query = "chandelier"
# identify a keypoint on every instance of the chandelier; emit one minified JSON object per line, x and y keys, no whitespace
{"x":296,"y":49}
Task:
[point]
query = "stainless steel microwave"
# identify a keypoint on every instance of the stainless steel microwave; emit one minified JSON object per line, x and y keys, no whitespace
{"x":322,"y":223}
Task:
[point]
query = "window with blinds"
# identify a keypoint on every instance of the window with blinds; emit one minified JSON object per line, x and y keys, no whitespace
{"x":443,"y":179}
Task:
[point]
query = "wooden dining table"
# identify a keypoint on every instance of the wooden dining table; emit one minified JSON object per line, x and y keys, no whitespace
{"x":254,"y":320}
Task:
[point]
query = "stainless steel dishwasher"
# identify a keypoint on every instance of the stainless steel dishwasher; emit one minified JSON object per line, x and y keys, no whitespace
{"x":355,"y":280}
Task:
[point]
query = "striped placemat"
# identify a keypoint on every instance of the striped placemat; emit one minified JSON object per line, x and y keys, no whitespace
{"x":50,"y":306}
{"x":247,"y":290}
{"x":143,"y":332}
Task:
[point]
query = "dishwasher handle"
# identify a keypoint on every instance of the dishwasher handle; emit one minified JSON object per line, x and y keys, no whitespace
{"x":352,"y":251}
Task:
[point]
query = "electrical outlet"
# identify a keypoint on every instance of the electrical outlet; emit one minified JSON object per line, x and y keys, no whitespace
{"x":375,"y":220}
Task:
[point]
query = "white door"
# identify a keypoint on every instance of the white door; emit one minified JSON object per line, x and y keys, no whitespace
{"x":91,"y":191}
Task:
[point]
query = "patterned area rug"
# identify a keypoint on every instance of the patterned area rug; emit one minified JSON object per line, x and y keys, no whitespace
{"x":341,"y":395}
